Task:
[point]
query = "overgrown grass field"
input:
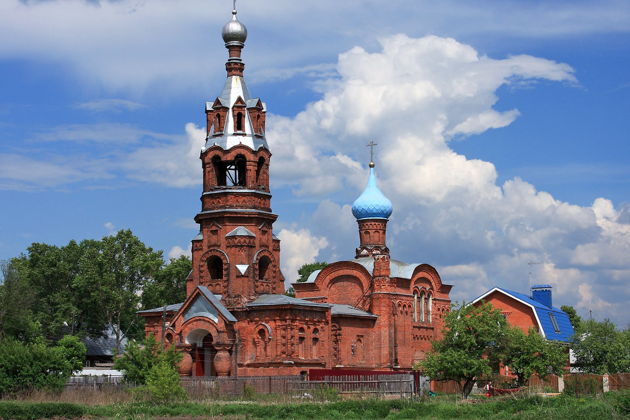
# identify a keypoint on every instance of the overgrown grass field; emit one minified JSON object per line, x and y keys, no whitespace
{"x":613,"y":405}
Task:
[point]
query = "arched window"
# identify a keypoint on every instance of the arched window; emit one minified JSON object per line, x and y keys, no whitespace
{"x":239,"y":121}
{"x":263,"y":266}
{"x":314,"y":347}
{"x":219,"y":170}
{"x":261,"y":343}
{"x":217,"y":124}
{"x":415,"y":306}
{"x":422,"y":305}
{"x":429,"y":307}
{"x":301,"y":343}
{"x":258,"y":127}
{"x":259,"y":168}
{"x":215,"y":267}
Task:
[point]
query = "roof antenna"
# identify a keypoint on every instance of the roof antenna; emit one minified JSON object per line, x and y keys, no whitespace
{"x":529,"y":274}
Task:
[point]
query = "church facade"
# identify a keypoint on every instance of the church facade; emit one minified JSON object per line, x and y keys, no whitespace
{"x":371,"y":312}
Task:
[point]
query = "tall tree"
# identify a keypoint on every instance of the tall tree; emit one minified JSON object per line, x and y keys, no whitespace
{"x":527,"y":354}
{"x":576,"y":320}
{"x":474,"y":341}
{"x":16,"y":301}
{"x":111,"y":279}
{"x":50,"y":272}
{"x":600,"y":348}
{"x":307,"y":269}
{"x":169,"y":284}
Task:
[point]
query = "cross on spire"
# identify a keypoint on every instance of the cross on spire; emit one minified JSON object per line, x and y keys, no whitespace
{"x":371,"y":145}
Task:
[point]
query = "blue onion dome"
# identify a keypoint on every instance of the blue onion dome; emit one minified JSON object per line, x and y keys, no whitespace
{"x":234,"y":31}
{"x":372,"y":203}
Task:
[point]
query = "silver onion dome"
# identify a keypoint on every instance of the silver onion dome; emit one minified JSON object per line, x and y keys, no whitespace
{"x":234,"y":31}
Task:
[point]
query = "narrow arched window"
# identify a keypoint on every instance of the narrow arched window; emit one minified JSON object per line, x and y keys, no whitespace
{"x":263,"y":266}
{"x":259,"y":168}
{"x":429,"y":307}
{"x":215,"y":267}
{"x":258,"y":127}
{"x":219,"y":170}
{"x":314,"y":347}
{"x":422,"y":304}
{"x":415,"y":306}
{"x":301,"y":343}
{"x":239,"y":121}
{"x":217,"y":124}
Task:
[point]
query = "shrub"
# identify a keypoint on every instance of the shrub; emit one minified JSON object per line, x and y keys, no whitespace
{"x":27,"y":411}
{"x":164,"y":384}
{"x":25,"y":367}
{"x":326,"y":393}
{"x":139,"y":359}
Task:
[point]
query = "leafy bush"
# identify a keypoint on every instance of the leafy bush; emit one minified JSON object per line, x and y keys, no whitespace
{"x":27,"y":411}
{"x":37,"y":366}
{"x":164,"y":383}
{"x":139,"y":359}
{"x":326,"y":393}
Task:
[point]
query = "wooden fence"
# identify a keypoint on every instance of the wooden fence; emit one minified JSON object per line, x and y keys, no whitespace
{"x":236,"y":386}
{"x":399,"y":384}
{"x":619,"y":381}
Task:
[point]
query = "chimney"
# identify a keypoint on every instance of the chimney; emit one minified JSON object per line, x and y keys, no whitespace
{"x":541,"y":293}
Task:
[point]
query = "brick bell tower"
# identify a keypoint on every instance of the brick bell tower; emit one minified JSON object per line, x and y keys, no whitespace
{"x":236,"y":254}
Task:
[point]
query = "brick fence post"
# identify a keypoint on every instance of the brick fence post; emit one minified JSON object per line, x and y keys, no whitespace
{"x":605,"y":383}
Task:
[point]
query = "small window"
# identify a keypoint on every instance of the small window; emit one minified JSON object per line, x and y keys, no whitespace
{"x":554,"y":322}
{"x":239,"y":121}
{"x":215,"y":267}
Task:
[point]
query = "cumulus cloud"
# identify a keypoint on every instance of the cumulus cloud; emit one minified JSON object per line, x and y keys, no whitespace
{"x":298,"y":247}
{"x":111,"y":228}
{"x":415,"y":96}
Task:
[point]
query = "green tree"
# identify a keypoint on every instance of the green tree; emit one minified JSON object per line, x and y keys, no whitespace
{"x":169,"y":284}
{"x":474,"y":341}
{"x":599,"y":348}
{"x":50,"y":272}
{"x":307,"y":269}
{"x":110,"y":282}
{"x":164,"y":383}
{"x":527,"y":354}
{"x":139,"y":359}
{"x":575,"y":319}
{"x":16,"y":301}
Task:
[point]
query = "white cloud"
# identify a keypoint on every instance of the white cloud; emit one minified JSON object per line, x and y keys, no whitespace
{"x":174,"y":164}
{"x":298,"y":247}
{"x":412,"y":97}
{"x":110,"y":105}
{"x":121,"y":44}
{"x":178,"y":251}
{"x":111,"y":229}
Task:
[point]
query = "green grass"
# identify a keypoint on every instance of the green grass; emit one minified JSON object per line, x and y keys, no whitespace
{"x":613,"y":405}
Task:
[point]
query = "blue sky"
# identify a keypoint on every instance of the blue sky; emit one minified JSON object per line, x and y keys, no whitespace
{"x":502,"y":129}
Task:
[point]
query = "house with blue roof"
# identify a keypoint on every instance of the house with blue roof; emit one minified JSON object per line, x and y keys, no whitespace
{"x":535,"y":311}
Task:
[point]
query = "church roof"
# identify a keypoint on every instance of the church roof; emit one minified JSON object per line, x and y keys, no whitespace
{"x":234,"y":89}
{"x":169,"y":308}
{"x":347,"y":310}
{"x":397,"y":268}
{"x":372,"y":203}
{"x":553,"y":323}
{"x":274,"y":300}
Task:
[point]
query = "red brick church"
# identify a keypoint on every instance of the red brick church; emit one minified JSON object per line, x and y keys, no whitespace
{"x":372,"y":312}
